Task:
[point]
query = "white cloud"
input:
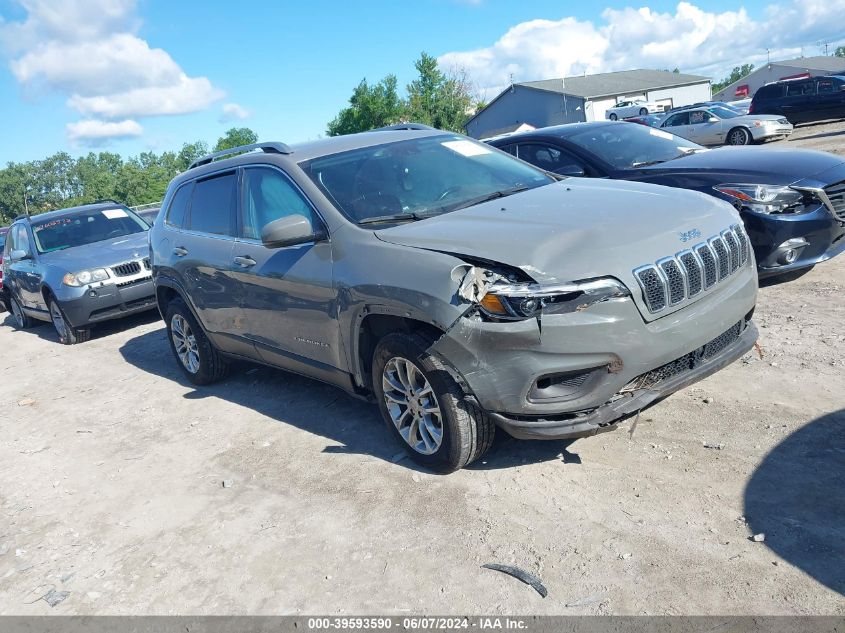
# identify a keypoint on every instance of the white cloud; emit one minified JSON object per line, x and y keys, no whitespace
{"x":190,"y":94}
{"x":691,"y":39}
{"x":232,"y":112}
{"x":93,"y":132}
{"x":89,"y":50}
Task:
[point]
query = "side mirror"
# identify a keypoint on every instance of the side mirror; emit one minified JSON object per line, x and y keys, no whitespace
{"x":18,"y":255}
{"x":288,"y":231}
{"x":713,"y":119}
{"x":569,"y":170}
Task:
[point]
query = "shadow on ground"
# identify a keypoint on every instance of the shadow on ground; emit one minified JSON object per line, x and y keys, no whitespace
{"x":45,"y":330}
{"x":321,"y":409}
{"x":796,"y":497}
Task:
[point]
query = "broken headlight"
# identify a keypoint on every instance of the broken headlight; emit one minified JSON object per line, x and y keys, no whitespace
{"x":517,"y":301}
{"x":764,"y":198}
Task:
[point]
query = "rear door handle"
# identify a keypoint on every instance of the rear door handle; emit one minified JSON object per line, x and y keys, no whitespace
{"x":180,"y":251}
{"x":245,"y":262}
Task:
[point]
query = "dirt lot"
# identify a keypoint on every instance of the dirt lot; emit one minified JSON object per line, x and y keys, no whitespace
{"x":112,"y":468}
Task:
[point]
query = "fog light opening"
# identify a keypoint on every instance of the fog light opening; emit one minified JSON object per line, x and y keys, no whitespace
{"x":789,"y":256}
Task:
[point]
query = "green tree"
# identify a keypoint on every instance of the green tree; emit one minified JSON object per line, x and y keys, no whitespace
{"x":736,"y":74}
{"x":234,"y":137}
{"x":840,"y":51}
{"x":441,"y":100}
{"x":369,"y":107}
{"x":189,"y":153}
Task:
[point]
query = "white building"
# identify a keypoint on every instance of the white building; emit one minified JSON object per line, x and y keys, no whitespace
{"x":775,"y":71}
{"x":583,"y":98}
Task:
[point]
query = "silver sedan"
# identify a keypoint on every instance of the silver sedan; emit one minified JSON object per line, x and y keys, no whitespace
{"x":718,"y":125}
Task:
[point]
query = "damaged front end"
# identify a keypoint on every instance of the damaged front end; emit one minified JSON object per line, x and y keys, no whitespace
{"x":512,"y":296}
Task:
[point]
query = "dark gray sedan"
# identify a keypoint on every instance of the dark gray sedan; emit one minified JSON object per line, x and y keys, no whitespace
{"x":77,"y":267}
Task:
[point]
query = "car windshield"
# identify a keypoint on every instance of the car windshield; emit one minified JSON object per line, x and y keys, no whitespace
{"x":630,"y":145}
{"x":85,"y":227}
{"x":724,"y":112}
{"x":417,"y":178}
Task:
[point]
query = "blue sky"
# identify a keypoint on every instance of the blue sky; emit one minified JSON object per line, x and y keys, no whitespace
{"x":150,"y":74}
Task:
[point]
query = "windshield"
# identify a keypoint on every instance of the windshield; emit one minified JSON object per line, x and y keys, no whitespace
{"x":418,"y":178}
{"x":629,"y":145}
{"x":85,"y":227}
{"x":724,"y":112}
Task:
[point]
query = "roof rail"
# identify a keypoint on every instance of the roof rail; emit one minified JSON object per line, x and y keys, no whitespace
{"x":20,"y":216}
{"x":404,"y":126}
{"x":103,"y":201}
{"x":268,"y":148}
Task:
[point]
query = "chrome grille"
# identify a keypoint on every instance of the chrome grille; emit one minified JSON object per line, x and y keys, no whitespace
{"x":124,"y":270}
{"x":694,"y":272}
{"x":654,"y":290}
{"x":744,"y":246}
{"x":708,"y":260}
{"x":147,"y":263}
{"x":672,"y":280}
{"x":836,"y":195}
{"x":723,"y":260}
{"x":733,"y":248}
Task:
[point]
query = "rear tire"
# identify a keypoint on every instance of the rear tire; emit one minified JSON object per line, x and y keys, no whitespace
{"x":68,"y":335}
{"x":613,"y":116}
{"x":465,"y":431}
{"x":22,"y":321}
{"x":738,"y":136}
{"x":198,"y":359}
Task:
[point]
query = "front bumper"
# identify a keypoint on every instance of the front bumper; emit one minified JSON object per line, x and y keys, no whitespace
{"x":608,"y":416}
{"x":824,"y":234}
{"x":101,"y":302}
{"x":565,"y":364}
{"x":765,"y":132}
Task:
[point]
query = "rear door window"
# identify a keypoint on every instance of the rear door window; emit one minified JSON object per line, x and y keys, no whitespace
{"x":214,"y":205}
{"x":799,"y":88}
{"x":682,"y":118}
{"x":179,"y":205}
{"x":825,"y":86}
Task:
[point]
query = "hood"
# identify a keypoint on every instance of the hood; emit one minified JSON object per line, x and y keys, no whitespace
{"x":768,"y":165}
{"x":572,"y":230}
{"x":100,"y":254}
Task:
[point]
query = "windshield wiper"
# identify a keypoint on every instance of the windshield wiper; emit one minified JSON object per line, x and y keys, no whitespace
{"x":646,"y":163}
{"x":396,"y":217}
{"x":490,"y":196}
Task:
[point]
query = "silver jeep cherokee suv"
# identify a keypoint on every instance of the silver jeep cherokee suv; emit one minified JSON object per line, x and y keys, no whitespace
{"x":459,"y":287}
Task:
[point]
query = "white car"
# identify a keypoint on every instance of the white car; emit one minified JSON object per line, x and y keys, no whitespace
{"x":625,"y":109}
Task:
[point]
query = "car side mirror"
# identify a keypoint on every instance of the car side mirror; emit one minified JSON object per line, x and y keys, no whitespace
{"x":569,"y":170}
{"x":289,"y":231}
{"x":713,"y":119}
{"x":18,"y":255}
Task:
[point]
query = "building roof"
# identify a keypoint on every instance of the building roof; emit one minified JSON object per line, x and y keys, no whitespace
{"x":614,"y":84}
{"x":823,"y":62}
{"x":622,"y":82}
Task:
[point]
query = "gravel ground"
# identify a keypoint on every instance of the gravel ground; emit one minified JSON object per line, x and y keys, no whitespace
{"x":113,"y":471}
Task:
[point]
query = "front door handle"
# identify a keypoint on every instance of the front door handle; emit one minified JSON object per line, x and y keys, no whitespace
{"x":245,"y":262}
{"x":180,"y":251}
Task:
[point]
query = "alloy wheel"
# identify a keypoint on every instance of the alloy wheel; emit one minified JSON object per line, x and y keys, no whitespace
{"x":412,"y":405}
{"x":185,"y":343}
{"x":739,"y":137}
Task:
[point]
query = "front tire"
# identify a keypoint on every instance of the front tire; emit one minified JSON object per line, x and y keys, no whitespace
{"x":613,"y":116}
{"x":68,"y":335}
{"x":425,"y":407}
{"x":198,"y":359}
{"x":738,"y":136}
{"x":643,"y":111}
{"x":22,"y":320}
